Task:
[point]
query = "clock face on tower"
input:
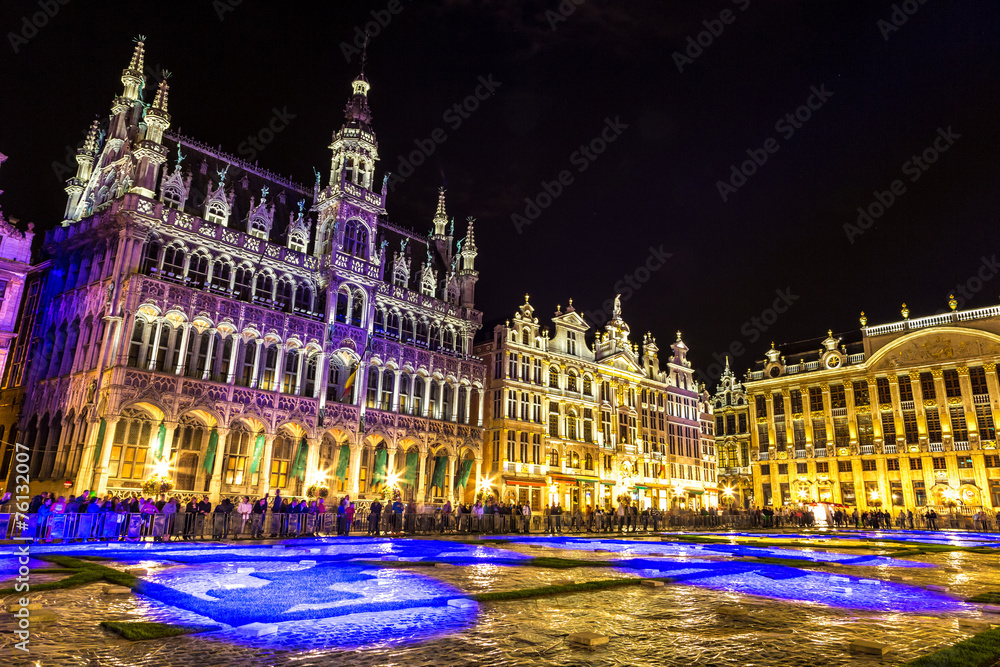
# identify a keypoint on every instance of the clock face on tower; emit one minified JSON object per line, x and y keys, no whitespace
{"x":833,"y":362}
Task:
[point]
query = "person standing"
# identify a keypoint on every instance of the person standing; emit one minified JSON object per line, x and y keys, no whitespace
{"x":374,"y":518}
{"x":349,"y":513}
{"x":445,"y":516}
{"x":526,"y":514}
{"x":397,"y":516}
{"x":245,"y":509}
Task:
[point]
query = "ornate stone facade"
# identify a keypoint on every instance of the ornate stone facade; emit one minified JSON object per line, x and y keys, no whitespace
{"x":900,"y":415}
{"x":578,"y":423}
{"x":731,"y":413}
{"x":247,"y":333}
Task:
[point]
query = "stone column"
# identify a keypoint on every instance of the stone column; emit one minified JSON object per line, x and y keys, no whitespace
{"x":971,"y":422}
{"x":234,"y":358}
{"x":209,"y":357}
{"x":395,"y":392}
{"x":215,"y":486}
{"x":182,"y":353}
{"x":264,"y":471}
{"x":312,"y":459}
{"x":300,"y":373}
{"x":852,"y":416}
{"x":944,"y":413}
{"x":450,"y":481}
{"x":454,"y":401}
{"x":390,"y":464}
{"x":427,"y":396}
{"x":86,"y":471}
{"x":355,"y":471}
{"x":897,"y":411}
{"x":422,"y":475}
{"x":100,"y":484}
{"x":255,"y":379}
{"x":168,"y":438}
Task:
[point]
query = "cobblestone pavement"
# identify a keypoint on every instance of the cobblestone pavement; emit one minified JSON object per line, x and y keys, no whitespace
{"x":673,"y":625}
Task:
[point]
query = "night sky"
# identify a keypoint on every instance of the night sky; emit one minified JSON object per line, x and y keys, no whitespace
{"x":885,"y":91}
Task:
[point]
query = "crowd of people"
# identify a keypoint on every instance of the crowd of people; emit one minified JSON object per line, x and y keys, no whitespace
{"x":280,"y":516}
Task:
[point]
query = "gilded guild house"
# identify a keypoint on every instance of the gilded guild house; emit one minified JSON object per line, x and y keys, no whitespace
{"x":246,"y":333}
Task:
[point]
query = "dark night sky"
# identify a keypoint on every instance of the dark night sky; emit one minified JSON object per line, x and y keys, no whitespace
{"x":655,"y":185}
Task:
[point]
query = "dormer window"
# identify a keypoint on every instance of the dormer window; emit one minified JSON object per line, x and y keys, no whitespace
{"x":571,"y":342}
{"x":399,"y":278}
{"x":297,"y":241}
{"x":218,"y":213}
{"x":258,"y":228}
{"x":172,"y":197}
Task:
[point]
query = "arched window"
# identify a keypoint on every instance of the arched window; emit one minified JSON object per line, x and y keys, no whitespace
{"x":379,"y":325}
{"x":525,"y":336}
{"x":423,"y":332}
{"x":399,"y":278}
{"x":554,"y":458}
{"x":269,"y":381}
{"x":283,"y":297}
{"x":392,"y":324}
{"x":418,"y":395}
{"x":371,"y":399}
{"x":356,"y":239}
{"x":221,"y":273}
{"x":265,"y":287}
{"x":588,"y":462}
{"x":198,"y":270}
{"x":574,"y":460}
{"x":172,"y":196}
{"x":571,"y":381}
{"x":303,"y":298}
{"x":173,"y":262}
{"x":290,"y":374}
{"x":358,"y":308}
{"x":588,"y":386}
{"x":218,"y":213}
{"x":343,"y":302}
{"x":243,"y":282}
{"x":448,"y":339}
{"x":388,"y":384}
{"x":554,"y":377}
{"x":571,"y":426}
{"x":297,"y":241}
{"x":404,"y":394}
{"x":150,"y":257}
{"x":130,"y":445}
{"x":258,"y":227}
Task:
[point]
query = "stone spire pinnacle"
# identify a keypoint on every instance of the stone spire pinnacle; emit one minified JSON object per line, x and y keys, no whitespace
{"x":440,"y":216}
{"x":160,"y":102}
{"x":132,"y":76}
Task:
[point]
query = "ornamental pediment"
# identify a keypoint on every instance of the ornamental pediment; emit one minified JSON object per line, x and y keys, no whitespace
{"x":950,"y":345}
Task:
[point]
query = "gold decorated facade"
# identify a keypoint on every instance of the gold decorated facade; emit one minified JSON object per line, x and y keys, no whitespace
{"x":895,"y":416}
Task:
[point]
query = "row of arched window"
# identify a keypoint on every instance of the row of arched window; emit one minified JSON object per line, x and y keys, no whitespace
{"x":227,"y":276}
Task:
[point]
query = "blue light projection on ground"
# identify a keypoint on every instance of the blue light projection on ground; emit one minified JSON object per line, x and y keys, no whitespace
{"x":342,"y":592}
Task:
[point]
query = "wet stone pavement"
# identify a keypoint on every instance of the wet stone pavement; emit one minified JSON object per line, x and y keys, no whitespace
{"x":358,"y":620}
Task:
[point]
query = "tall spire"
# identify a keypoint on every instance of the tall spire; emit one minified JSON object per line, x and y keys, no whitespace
{"x":132,"y":76}
{"x":440,"y":216}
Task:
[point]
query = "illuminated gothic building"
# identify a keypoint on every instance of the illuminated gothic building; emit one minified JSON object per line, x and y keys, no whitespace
{"x":247,"y":333}
{"x":15,"y":265}
{"x":731,"y":413}
{"x":899,"y":415}
{"x":580,"y":424}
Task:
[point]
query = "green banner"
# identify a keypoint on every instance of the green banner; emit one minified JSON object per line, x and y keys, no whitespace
{"x":258,"y":450}
{"x":410,"y":473}
{"x":161,"y":438}
{"x":213,"y":444}
{"x":463,"y":473}
{"x":381,"y":459}
{"x":342,"y":461}
{"x":101,"y":431}
{"x":440,"y":467}
{"x":300,"y":460}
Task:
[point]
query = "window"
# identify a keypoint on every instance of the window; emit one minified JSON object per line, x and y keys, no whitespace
{"x":281,"y":456}
{"x":536,"y":449}
{"x":977,"y":376}
{"x":868,"y":465}
{"x":524,"y":447}
{"x":916,"y":464}
{"x":796,"y":398}
{"x":952,"y":387}
{"x":905,"y":388}
{"x":356,"y":239}
{"x":779,"y":403}
{"x":933,"y":425}
{"x":297,"y":241}
{"x":554,"y":420}
{"x":838,"y":398}
{"x":512,"y":366}
{"x":802,"y":468}
{"x":761,"y":403}
{"x":910,"y":427}
{"x":511,"y":404}
{"x":498,"y":404}
{"x":964,"y":461}
{"x":992,"y":460}
{"x":537,"y":379}
{"x":571,"y":382}
{"x":815,"y":398}
{"x":959,"y":427}
{"x":939,"y":463}
{"x":819,"y":432}
{"x":554,"y":459}
{"x":536,"y":409}
{"x":571,"y":342}
{"x":984,"y":418}
{"x":927,"y":386}
{"x":888,"y":428}
{"x":554,"y":377}
{"x":525,"y":404}
{"x":588,"y":387}
{"x":822,"y":466}
{"x":843,"y":466}
{"x":884,"y":393}
{"x":861,"y":393}
{"x":511,"y":445}
{"x":782,"y":468}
